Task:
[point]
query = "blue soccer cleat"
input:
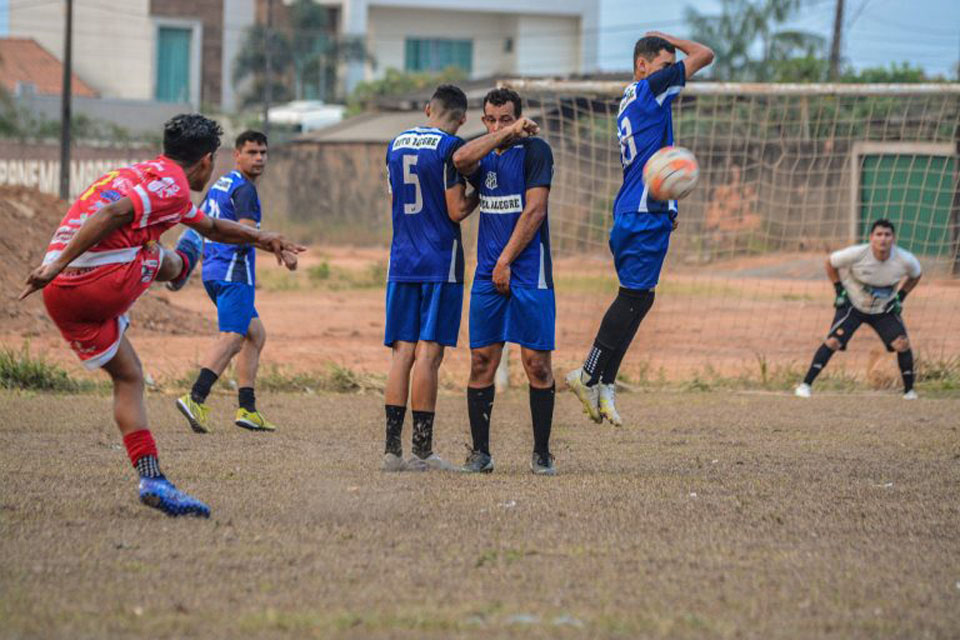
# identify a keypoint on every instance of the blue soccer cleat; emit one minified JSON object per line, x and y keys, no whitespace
{"x":160,"y":493}
{"x":191,"y":244}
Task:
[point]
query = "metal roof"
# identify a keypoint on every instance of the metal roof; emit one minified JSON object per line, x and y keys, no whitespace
{"x":381,"y":128}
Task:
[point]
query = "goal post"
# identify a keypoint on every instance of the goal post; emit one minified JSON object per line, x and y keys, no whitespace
{"x":789,"y":172}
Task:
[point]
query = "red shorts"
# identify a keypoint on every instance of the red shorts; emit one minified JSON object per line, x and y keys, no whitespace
{"x":89,"y":306}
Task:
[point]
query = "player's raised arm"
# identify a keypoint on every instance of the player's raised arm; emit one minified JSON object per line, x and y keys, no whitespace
{"x":468,"y":157}
{"x":93,"y":230}
{"x":697,"y":55}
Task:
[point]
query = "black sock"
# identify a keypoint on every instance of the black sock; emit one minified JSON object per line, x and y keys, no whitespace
{"x":395,"y":416}
{"x":148,"y":467}
{"x":423,"y":433}
{"x":905,"y":360}
{"x":820,"y":360}
{"x":479,"y":408}
{"x":247,"y":399}
{"x":642,"y":306}
{"x":617,"y":330}
{"x":201,"y":388}
{"x":541,"y":410}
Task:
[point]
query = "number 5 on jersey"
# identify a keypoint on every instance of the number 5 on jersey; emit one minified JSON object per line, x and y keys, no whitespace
{"x":409,"y":177}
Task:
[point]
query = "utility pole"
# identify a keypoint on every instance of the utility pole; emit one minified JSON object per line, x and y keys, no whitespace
{"x":268,"y":71}
{"x":66,"y":96}
{"x":835,"y":45}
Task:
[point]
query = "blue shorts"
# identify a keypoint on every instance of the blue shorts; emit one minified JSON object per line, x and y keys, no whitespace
{"x":527,"y":316}
{"x":234,"y":302}
{"x":428,"y":311}
{"x":639,"y":243}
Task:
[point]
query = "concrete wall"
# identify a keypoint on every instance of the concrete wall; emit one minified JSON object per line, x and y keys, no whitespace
{"x":113,"y":48}
{"x":547,"y":45}
{"x":139,"y":117}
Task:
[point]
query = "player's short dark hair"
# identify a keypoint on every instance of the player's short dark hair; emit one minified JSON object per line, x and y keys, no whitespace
{"x":883,"y":222}
{"x":190,"y":136}
{"x":500,"y":97}
{"x":451,"y":99}
{"x":649,"y":47}
{"x":250,"y":135}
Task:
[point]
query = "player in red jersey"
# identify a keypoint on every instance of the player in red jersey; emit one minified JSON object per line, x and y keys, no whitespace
{"x":105,"y":254}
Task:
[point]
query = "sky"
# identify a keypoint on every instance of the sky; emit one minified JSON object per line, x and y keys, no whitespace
{"x":876,"y":33}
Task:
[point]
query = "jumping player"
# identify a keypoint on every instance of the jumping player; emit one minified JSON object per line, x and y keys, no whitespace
{"x":641,"y":225}
{"x":229,"y":273}
{"x":512,"y":298}
{"x":871,"y":281}
{"x":105,"y":254}
{"x":425,"y":288}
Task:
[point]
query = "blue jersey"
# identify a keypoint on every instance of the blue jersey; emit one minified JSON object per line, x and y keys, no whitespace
{"x":644,"y":126}
{"x":502,"y":181}
{"x":426,"y":244}
{"x":232,"y":197}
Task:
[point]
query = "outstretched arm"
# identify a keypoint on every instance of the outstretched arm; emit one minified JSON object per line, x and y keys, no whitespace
{"x":468,"y":157}
{"x":697,"y":57}
{"x":93,"y":230}
{"x":230,"y":232}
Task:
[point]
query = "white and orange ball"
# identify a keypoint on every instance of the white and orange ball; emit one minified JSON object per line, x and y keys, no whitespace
{"x":671,"y":173}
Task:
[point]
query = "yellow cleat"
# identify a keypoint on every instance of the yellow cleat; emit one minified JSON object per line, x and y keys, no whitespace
{"x":589,"y":397}
{"x":196,"y":413}
{"x":253,"y":420}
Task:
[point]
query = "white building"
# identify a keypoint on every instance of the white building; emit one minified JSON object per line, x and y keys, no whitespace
{"x":490,"y":38}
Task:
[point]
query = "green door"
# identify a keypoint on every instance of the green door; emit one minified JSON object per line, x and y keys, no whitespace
{"x":915,"y":193}
{"x":173,"y":64}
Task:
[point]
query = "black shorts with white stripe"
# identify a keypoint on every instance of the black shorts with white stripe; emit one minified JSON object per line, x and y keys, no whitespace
{"x":889,"y":326}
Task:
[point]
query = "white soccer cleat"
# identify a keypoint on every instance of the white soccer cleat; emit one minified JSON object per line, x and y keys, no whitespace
{"x":589,"y":397}
{"x":910,"y":395}
{"x":393,"y":463}
{"x":433,"y":462}
{"x":607,"y":404}
{"x":803,"y":391}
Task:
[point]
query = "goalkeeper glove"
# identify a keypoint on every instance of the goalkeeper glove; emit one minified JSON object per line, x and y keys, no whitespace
{"x":842,"y":298}
{"x":895,"y":305}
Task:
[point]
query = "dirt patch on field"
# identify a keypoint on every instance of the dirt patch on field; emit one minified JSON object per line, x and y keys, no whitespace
{"x":28,"y":219}
{"x":713,"y":515}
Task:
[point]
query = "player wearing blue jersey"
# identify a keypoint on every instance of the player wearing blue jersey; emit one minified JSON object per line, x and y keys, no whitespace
{"x":229,"y":276}
{"x":641,"y":225}
{"x":512,"y":296}
{"x":425,"y":278}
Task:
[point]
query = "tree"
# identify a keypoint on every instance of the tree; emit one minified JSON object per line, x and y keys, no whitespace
{"x":396,"y":83}
{"x":750,"y":46}
{"x":303,"y":57}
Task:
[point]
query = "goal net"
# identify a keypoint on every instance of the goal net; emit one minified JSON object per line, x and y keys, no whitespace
{"x":788,"y":174}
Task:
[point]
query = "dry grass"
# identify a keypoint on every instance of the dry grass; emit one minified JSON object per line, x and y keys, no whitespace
{"x":720,"y":515}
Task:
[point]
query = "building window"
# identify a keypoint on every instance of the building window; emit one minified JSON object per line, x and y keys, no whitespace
{"x":173,"y":64}
{"x":436,"y":54}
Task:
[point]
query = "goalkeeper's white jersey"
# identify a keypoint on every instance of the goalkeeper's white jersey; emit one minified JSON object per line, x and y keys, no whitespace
{"x":871,"y":283}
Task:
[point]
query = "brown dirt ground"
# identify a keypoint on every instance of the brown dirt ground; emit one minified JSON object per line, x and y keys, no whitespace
{"x":720,"y":515}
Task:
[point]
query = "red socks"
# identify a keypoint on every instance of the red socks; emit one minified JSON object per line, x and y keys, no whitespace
{"x":139,"y":444}
{"x":186,"y":264}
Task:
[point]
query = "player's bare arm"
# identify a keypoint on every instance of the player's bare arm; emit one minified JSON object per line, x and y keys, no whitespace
{"x":93,"y":230}
{"x":468,"y":157}
{"x":459,"y":204}
{"x":230,"y":232}
{"x":909,"y":284}
{"x":832,"y":272}
{"x":530,"y":220}
{"x":697,"y":57}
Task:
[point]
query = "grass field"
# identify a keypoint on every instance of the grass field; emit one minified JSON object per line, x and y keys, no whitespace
{"x":715,"y":515}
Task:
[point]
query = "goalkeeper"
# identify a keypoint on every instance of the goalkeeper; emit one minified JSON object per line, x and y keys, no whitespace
{"x":871,"y":280}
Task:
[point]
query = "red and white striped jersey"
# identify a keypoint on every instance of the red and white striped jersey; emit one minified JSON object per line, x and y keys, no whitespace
{"x":161,"y":199}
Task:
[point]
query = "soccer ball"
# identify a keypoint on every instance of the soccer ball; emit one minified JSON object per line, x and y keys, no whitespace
{"x":671,"y":173}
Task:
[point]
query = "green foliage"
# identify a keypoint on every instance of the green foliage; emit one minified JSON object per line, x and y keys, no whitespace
{"x":20,"y":370}
{"x":748,"y":44}
{"x":897,"y":73}
{"x":396,"y":82}
{"x":303,"y":58}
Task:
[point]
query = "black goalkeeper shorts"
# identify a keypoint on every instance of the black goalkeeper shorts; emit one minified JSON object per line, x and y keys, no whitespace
{"x":889,"y":326}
